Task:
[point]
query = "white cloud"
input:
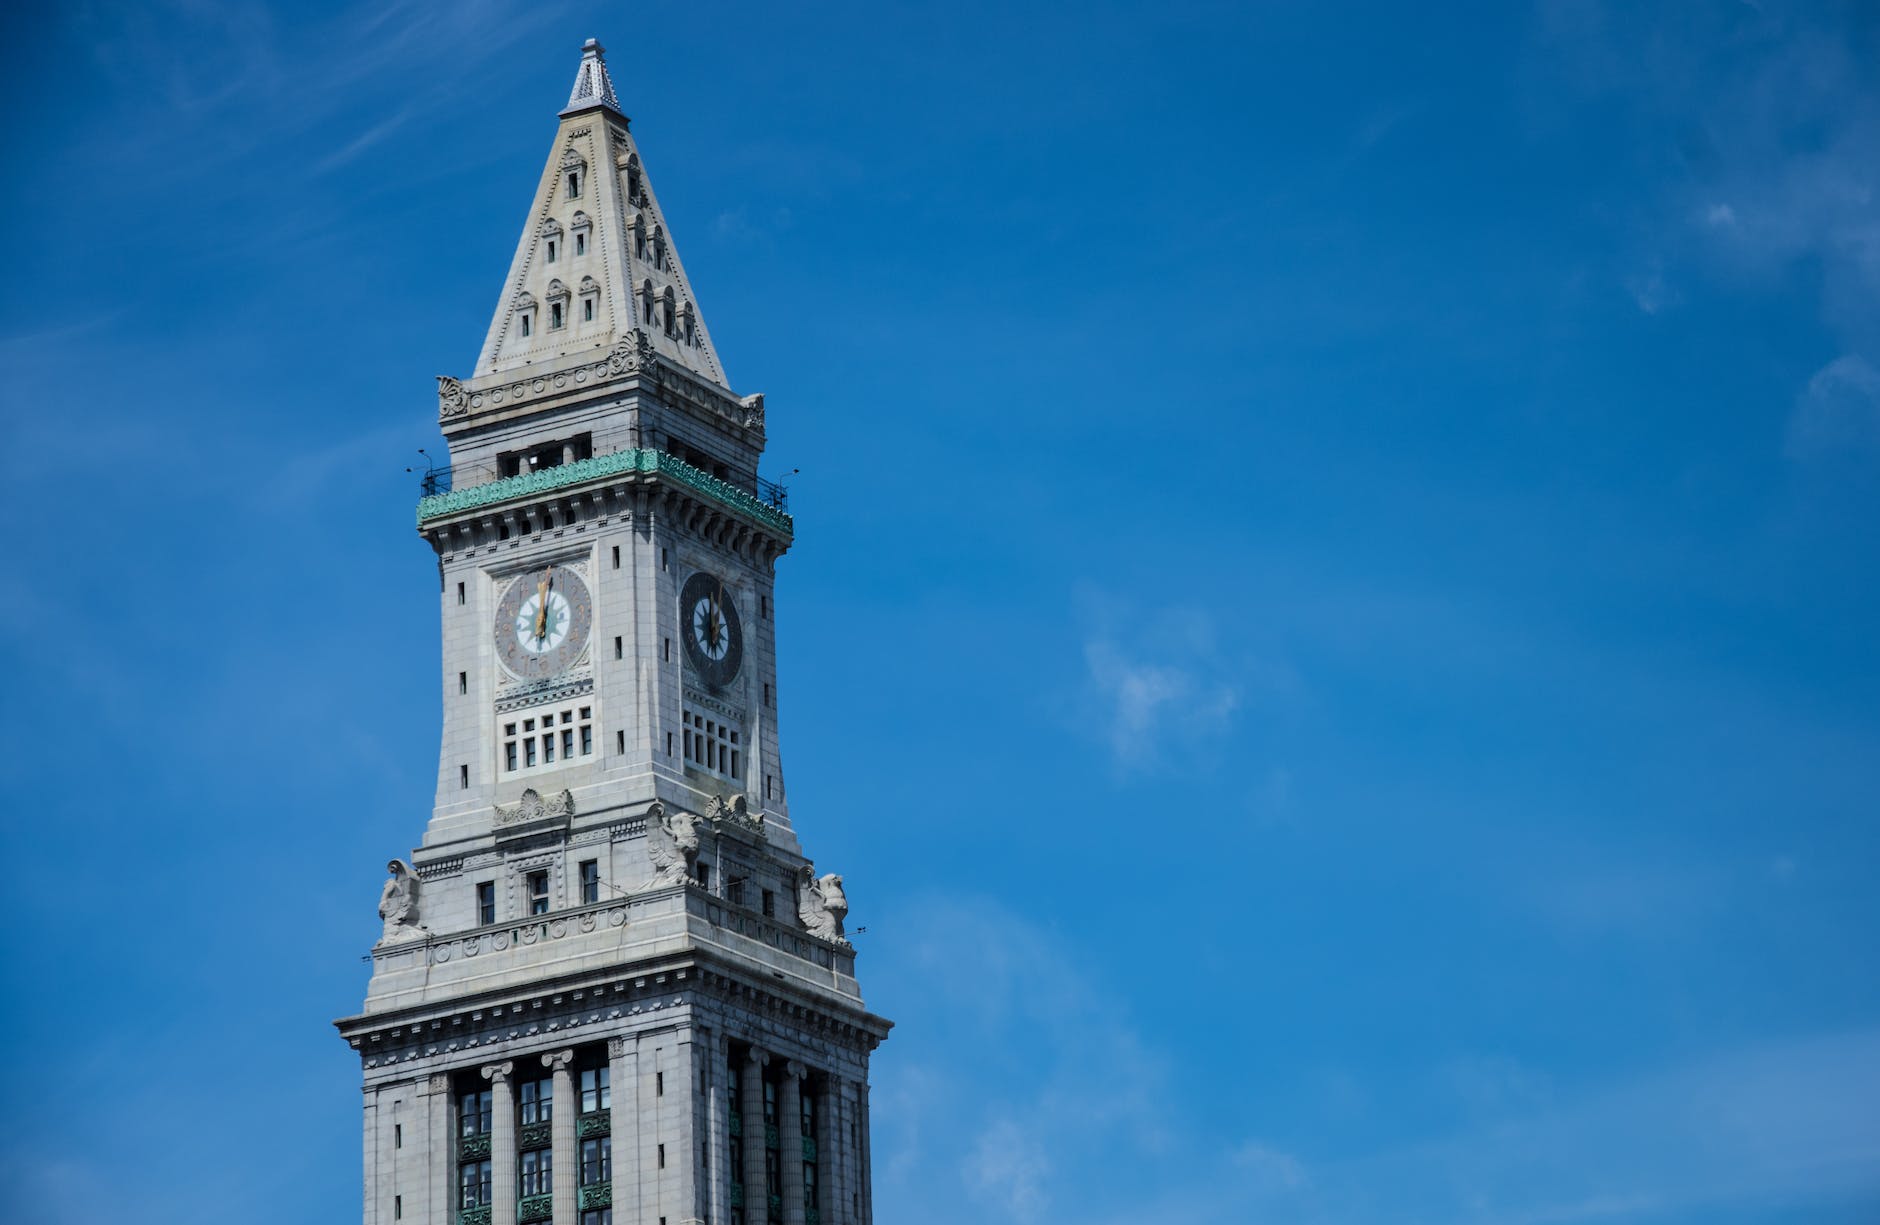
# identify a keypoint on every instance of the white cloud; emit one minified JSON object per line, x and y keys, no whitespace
{"x":1268,"y":1167}
{"x":1839,"y":410}
{"x":1008,"y":1166}
{"x":1160,"y":692}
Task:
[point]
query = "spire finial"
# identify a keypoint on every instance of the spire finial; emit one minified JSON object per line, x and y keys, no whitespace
{"x":592,"y":86}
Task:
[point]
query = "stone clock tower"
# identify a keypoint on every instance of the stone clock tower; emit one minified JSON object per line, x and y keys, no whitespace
{"x":611,"y":987}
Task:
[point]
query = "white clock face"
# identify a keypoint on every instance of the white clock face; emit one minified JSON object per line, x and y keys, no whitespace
{"x":710,"y":632}
{"x":542,"y":624}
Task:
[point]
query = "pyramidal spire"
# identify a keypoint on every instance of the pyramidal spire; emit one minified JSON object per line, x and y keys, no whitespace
{"x":592,"y":85}
{"x":596,"y":259}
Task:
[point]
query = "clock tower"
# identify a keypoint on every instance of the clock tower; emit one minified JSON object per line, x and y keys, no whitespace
{"x":611,"y":986}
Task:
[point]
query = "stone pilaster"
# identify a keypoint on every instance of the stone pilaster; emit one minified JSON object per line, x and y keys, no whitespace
{"x":864,"y":1157}
{"x":682,"y":1154}
{"x":622,"y":1060}
{"x":561,"y":1137}
{"x":716,"y":1175}
{"x":502,"y":1143}
{"x":790,"y":1141}
{"x":756,"y":1186}
{"x":832,"y":1145}
{"x":439,"y":1143}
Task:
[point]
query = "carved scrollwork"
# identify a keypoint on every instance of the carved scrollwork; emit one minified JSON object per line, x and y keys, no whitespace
{"x":633,"y":354}
{"x":532,"y":807}
{"x":452,"y":400}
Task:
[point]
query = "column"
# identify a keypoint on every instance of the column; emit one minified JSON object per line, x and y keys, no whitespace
{"x":864,"y":1156}
{"x":371,"y":1134}
{"x":752,"y":1128}
{"x":621,"y":1069}
{"x":502,"y":1143}
{"x":684,"y":1162}
{"x":790,"y":1141}
{"x":832,"y":1148}
{"x":439,"y":1146}
{"x":561,"y":1137}
{"x":716,"y":1173}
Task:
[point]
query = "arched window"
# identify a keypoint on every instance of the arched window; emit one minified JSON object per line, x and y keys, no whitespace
{"x":646,"y":302}
{"x":639,"y":239}
{"x":669,"y":316}
{"x":634,"y":187}
{"x":573,"y":171}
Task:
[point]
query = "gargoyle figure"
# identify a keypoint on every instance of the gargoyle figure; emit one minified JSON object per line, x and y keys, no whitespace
{"x":398,"y":905}
{"x":671,"y":845}
{"x":822,"y":905}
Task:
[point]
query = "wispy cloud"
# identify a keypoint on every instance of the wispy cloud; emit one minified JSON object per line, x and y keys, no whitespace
{"x":1162,"y":686}
{"x":1839,"y":410}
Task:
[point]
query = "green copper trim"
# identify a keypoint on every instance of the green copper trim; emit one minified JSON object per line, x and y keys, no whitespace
{"x":474,"y":1216}
{"x":597,"y":1195}
{"x":633,"y":459}
{"x":594,"y":1123}
{"x":535,"y":1208}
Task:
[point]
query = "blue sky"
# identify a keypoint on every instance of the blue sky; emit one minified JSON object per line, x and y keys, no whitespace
{"x":1333,"y":629}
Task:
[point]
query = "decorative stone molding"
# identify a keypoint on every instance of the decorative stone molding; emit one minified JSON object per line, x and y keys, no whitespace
{"x":451,"y":399}
{"x":551,"y":228}
{"x":735,"y":812}
{"x":555,"y":1061}
{"x":616,"y":1047}
{"x":633,"y":354}
{"x":496,"y":1073}
{"x":534,"y":808}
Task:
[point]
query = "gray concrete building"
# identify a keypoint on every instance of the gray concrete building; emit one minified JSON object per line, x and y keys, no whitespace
{"x":611,"y":986}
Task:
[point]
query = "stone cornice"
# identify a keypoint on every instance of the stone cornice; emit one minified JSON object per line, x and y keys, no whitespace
{"x":642,"y":461}
{"x":632,"y":360}
{"x":549,"y":1009}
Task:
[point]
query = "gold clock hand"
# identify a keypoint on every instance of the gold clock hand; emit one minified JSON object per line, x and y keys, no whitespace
{"x":541,"y":608}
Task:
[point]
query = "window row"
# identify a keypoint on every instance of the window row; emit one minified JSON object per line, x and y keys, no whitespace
{"x":535,"y":891}
{"x":536,"y":739}
{"x":712,"y":744}
{"x":526,"y":307}
{"x":553,"y":239}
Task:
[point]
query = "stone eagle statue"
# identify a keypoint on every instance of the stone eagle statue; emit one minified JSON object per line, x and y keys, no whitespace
{"x":398,"y":905}
{"x":822,"y":905}
{"x":671,"y":845}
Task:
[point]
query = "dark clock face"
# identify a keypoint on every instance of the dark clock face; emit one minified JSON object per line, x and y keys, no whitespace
{"x":714,"y":639}
{"x":542,"y":623}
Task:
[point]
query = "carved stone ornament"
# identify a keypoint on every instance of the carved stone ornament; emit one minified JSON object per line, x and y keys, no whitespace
{"x":753,"y":411}
{"x":398,"y":905}
{"x":822,"y":905}
{"x":572,"y":160}
{"x":633,"y":354}
{"x":671,"y":845}
{"x":452,"y":400}
{"x":735,"y":811}
{"x":532,"y":807}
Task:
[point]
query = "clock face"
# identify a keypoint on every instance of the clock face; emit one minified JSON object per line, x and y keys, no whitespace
{"x":542,"y":622}
{"x":714,"y":639}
